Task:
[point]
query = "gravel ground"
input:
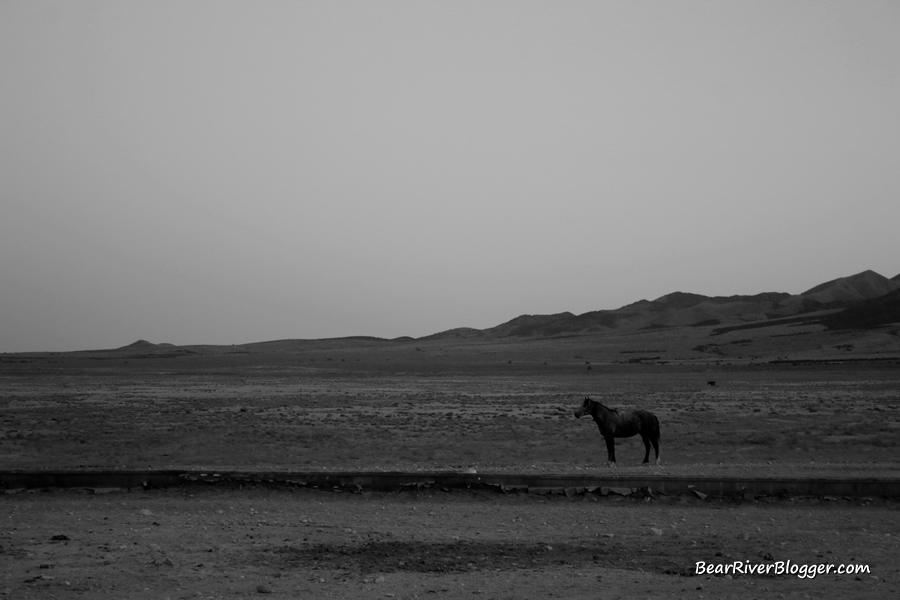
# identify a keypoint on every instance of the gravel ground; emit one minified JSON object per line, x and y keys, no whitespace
{"x":787,"y":470}
{"x":199,"y":542}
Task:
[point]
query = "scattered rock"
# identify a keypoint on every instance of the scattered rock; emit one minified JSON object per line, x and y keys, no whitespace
{"x":379,"y":579}
{"x":605,"y":491}
{"x":656,"y":530}
{"x":263,"y":589}
{"x":105,"y":490}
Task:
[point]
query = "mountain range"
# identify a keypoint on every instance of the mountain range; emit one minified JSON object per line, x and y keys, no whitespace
{"x":855,"y":317}
{"x":864,"y":300}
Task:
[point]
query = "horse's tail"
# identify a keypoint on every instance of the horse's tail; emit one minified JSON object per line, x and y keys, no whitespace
{"x":656,"y":427}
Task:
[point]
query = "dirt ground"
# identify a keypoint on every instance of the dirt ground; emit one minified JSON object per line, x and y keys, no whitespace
{"x":182,"y":413}
{"x":278,"y":412}
{"x":276,"y":543}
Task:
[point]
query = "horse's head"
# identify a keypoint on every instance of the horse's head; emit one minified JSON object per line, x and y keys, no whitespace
{"x":584,"y":409}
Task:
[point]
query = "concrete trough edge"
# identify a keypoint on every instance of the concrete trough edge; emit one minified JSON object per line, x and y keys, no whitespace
{"x":356,"y":481}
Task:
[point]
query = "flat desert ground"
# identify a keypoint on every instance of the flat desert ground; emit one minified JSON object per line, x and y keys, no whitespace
{"x":346,"y":405}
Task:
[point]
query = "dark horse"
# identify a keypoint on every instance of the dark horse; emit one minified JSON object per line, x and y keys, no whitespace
{"x":613,"y":425}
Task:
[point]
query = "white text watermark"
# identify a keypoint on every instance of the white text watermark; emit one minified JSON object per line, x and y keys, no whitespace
{"x":779,"y":567}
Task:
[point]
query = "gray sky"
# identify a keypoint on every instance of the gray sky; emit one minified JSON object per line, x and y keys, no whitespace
{"x":227,"y":172}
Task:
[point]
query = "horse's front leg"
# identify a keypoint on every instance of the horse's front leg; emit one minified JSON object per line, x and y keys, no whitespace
{"x":610,"y":450}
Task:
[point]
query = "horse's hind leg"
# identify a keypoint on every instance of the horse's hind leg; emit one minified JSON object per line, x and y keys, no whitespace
{"x":656,"y":448}
{"x":646,"y":448}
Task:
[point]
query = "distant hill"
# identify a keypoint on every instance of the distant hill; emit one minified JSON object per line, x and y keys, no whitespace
{"x":139,"y":345}
{"x":867,"y":313}
{"x":458,"y":332}
{"x":862,"y":286}
{"x":868,"y":292}
{"x":530,"y":324}
{"x":862,"y":301}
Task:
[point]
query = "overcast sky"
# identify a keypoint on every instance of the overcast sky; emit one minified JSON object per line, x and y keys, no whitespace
{"x":228,"y":172}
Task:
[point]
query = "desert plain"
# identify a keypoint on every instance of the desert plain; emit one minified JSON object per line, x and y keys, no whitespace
{"x":753,"y":406}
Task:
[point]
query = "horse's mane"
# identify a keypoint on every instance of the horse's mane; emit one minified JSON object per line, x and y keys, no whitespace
{"x":603,"y":405}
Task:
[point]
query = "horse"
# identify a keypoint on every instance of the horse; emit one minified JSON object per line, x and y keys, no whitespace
{"x":613,"y":424}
